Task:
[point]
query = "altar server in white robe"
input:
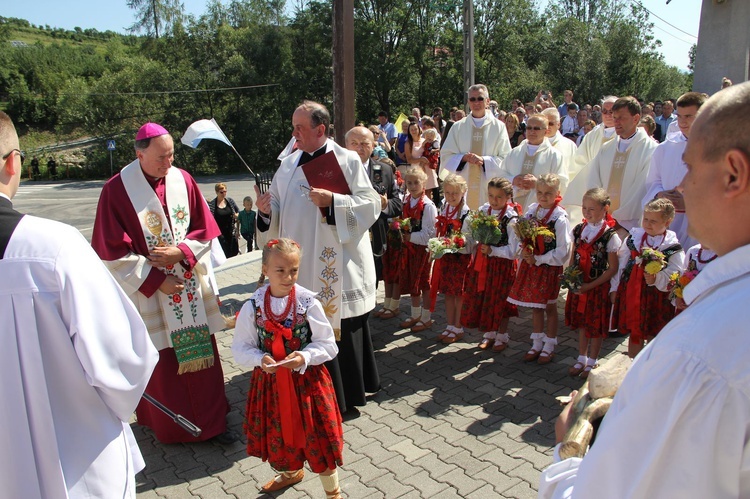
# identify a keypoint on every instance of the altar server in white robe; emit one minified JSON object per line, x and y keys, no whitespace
{"x":667,"y":167}
{"x":578,"y":169}
{"x":530,"y":159}
{"x":622,"y":165}
{"x":337,"y":261}
{"x":76,"y":358}
{"x":678,"y":426}
{"x":476,"y":147}
{"x":566,"y":147}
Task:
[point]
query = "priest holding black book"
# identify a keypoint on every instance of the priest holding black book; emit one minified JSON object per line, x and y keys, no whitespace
{"x":337,"y":261}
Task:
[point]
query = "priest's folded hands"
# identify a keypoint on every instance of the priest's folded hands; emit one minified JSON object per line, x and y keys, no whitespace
{"x":161,"y":256}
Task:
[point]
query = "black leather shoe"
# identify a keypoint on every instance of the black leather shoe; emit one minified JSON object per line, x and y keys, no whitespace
{"x":226,"y":438}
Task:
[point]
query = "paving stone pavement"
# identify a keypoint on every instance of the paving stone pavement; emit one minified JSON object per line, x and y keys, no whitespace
{"x":450,"y":420}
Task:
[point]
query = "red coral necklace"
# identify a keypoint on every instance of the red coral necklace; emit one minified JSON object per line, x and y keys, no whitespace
{"x":269,"y":312}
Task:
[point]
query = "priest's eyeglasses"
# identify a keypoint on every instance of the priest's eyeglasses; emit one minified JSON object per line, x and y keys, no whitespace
{"x":474,"y":99}
{"x":20,"y":153}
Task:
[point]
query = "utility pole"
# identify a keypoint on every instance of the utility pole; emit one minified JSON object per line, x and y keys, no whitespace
{"x":468,"y":48}
{"x":343,"y":67}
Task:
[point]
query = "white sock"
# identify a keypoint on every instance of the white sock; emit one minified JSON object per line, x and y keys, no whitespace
{"x":426,"y":315}
{"x":416,"y":312}
{"x":591,"y":362}
{"x":537,"y":341}
{"x":502,"y":338}
{"x":582,"y":359}
{"x":489,"y":335}
{"x":387,"y":304}
{"x":330,"y":482}
{"x":549,"y":344}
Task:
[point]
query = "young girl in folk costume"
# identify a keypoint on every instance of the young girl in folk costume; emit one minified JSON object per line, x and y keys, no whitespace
{"x":488,"y":309}
{"x":538,"y":282}
{"x":391,"y":270}
{"x":595,"y":254}
{"x":415,"y":260}
{"x":696,"y":257}
{"x":292,"y":415}
{"x":643,"y":307}
{"x":448,"y":272}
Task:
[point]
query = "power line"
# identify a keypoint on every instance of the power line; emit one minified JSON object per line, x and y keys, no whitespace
{"x":673,"y":36}
{"x":640,"y":4}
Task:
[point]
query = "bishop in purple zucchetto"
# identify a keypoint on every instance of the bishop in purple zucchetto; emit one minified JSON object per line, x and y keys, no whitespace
{"x":150,"y":130}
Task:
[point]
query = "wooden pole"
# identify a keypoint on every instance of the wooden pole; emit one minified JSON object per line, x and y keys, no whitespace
{"x":343,"y":67}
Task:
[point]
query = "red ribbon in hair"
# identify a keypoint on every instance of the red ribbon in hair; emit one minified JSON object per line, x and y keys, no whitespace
{"x":292,"y":430}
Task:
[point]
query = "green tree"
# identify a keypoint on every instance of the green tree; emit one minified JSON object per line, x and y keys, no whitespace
{"x":155,"y":17}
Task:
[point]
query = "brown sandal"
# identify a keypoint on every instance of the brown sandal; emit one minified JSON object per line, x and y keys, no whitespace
{"x":283,"y":480}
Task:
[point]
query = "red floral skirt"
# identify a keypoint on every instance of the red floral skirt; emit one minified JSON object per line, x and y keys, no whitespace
{"x":391,"y":265}
{"x":317,"y":402}
{"x":593,"y":315}
{"x":415,"y":269}
{"x":453,"y":268}
{"x":536,"y":286}
{"x":485,"y":310}
{"x":654,"y":312}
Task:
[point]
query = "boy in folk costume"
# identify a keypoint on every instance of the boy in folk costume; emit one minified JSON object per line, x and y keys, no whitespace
{"x":283,"y":334}
{"x":643,"y":307}
{"x":486,"y":305}
{"x":595,"y":256}
{"x":538,"y":281}
{"x":449,"y":271}
{"x":415,"y":260}
{"x":153,"y":230}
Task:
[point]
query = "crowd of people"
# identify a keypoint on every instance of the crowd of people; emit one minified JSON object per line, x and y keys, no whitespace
{"x":655,"y":257}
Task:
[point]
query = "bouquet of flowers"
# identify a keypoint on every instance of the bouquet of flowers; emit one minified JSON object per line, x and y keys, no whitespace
{"x":528,"y":230}
{"x":572,"y":278}
{"x":653,"y":261}
{"x":439,"y":246}
{"x":485,"y":228}
{"x":396,"y":230}
{"x":678,"y":282}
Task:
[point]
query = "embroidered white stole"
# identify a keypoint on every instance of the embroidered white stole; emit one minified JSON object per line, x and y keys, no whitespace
{"x":184,"y":312}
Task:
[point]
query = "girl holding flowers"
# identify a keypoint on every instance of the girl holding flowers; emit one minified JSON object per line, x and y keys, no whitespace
{"x":292,"y":416}
{"x":449,"y":271}
{"x":487,"y":284}
{"x":595,"y":257}
{"x":648,"y":257}
{"x":415,"y":260}
{"x":545,"y":243}
{"x":696,"y":258}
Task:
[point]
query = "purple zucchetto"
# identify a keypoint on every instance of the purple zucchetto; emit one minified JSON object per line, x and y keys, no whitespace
{"x":150,"y":130}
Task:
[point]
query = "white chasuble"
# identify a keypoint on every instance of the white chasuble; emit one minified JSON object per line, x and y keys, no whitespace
{"x":337,"y":262}
{"x":546,"y":159}
{"x":183,"y":312}
{"x":461,"y":139}
{"x":605,"y":170}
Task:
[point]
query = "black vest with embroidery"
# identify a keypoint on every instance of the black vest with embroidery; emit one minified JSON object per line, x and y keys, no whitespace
{"x":550,"y":243}
{"x":301,"y":333}
{"x":599,"y":255}
{"x":631,"y":261}
{"x":504,"y":237}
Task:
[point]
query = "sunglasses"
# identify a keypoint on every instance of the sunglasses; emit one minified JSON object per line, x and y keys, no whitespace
{"x":537,"y":128}
{"x":20,"y":153}
{"x":607,"y":111}
{"x":474,"y":99}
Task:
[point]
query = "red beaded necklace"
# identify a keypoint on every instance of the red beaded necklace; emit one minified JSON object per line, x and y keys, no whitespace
{"x":270,"y":316}
{"x":700,"y":257}
{"x":644,"y":240}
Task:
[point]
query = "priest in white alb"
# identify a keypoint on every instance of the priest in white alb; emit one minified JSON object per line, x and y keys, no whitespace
{"x":622,"y":165}
{"x":535,"y":156}
{"x":588,"y":149}
{"x":153,"y":230}
{"x":76,"y":358}
{"x":476,"y":147}
{"x":667,"y":167}
{"x":566,"y":146}
{"x":337,"y":261}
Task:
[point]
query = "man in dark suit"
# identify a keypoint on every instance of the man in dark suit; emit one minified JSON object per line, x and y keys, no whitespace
{"x":360,"y":140}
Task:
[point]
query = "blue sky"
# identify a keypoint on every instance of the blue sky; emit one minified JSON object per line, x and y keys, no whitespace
{"x":116,"y":16}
